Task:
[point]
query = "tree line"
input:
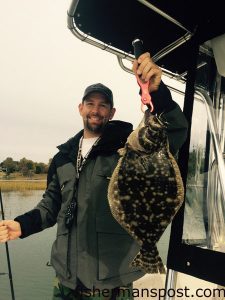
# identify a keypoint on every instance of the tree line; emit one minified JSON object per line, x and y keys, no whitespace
{"x":27,"y":167}
{"x":24,"y":166}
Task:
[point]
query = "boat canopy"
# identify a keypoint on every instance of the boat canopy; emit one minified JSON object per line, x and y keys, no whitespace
{"x":167,"y":28}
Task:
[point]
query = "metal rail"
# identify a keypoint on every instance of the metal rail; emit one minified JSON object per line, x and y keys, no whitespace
{"x":74,"y":28}
{"x":171,"y":282}
{"x":163,"y":14}
{"x":214,"y":133}
{"x":124,"y":55}
{"x":167,"y":73}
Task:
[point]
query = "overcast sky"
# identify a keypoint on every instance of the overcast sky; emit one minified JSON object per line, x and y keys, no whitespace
{"x":44,"y":70}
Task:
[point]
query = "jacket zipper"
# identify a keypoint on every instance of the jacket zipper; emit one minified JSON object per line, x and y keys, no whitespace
{"x":68,"y":271}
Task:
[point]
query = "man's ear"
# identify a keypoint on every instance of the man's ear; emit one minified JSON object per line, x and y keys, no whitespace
{"x":112,"y":113}
{"x":80,"y":108}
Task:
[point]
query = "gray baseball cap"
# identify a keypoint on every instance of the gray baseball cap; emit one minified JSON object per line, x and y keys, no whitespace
{"x":99,"y":88}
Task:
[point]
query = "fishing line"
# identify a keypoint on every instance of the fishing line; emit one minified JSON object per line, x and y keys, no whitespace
{"x":7,"y":252}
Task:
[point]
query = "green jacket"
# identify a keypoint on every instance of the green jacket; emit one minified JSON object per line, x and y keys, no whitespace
{"x":95,"y":249}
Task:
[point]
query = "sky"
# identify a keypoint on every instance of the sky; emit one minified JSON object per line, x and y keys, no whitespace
{"x":44,"y":70}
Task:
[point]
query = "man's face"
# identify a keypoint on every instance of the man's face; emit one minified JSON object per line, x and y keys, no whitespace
{"x":96,"y":112}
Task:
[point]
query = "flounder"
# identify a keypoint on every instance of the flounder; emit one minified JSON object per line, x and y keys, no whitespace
{"x":146,"y":189}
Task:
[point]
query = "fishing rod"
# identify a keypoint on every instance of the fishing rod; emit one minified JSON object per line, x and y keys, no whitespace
{"x":7,"y":252}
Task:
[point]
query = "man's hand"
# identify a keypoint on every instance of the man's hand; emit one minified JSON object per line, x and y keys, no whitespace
{"x":9,"y":230}
{"x":147,"y":70}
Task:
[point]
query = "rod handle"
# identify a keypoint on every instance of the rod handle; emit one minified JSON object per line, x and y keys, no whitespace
{"x":138,"y":47}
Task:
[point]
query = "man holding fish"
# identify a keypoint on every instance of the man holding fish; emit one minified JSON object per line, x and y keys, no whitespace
{"x":93,"y":252}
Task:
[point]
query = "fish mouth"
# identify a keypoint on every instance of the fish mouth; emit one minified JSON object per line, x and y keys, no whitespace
{"x":147,"y":116}
{"x":156,"y":122}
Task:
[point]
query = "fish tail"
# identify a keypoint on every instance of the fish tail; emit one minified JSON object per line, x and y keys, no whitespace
{"x":149,"y":261}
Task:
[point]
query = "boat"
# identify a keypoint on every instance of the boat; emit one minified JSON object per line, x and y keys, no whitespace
{"x":187,"y":40}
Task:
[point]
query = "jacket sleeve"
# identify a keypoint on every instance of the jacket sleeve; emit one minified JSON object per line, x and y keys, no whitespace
{"x":177,"y":124}
{"x":45,"y":213}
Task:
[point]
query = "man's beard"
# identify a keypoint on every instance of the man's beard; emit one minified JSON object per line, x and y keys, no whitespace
{"x":97,"y":128}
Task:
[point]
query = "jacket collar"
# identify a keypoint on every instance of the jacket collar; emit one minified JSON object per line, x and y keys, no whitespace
{"x":114,"y":137}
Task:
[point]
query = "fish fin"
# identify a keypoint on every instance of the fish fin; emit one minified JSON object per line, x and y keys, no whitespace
{"x":149,"y":261}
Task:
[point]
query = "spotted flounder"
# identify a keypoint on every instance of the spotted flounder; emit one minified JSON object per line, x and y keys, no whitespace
{"x":146,"y":189}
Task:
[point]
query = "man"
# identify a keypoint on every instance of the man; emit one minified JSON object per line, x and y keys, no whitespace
{"x":92,"y":252}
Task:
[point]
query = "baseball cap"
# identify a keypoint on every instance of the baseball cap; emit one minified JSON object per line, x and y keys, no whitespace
{"x":100,"y":88}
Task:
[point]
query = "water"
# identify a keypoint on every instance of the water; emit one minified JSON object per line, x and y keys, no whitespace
{"x":32,"y":279}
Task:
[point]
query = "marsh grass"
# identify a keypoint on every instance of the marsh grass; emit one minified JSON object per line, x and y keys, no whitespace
{"x":22,"y":185}
{"x":17,"y":182}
